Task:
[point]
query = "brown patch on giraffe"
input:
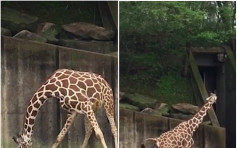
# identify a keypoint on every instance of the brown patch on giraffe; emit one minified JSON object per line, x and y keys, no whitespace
{"x":73,"y":104}
{"x":74,"y":87}
{"x":81,"y":79}
{"x":75,"y":75}
{"x":81,"y":85}
{"x":65,"y":83}
{"x":42,"y":100}
{"x":72,"y":80}
{"x":62,"y":77}
{"x":36,"y":105}
{"x":97,"y":87}
{"x":27,"y":121}
{"x":63,"y":91}
{"x":41,"y":89}
{"x":81,"y":97}
{"x":71,"y":93}
{"x":29,"y":109}
{"x":90,"y":92}
{"x":58,"y":84}
{"x":34,"y":113}
{"x":67,"y":102}
{"x":95,"y":80}
{"x":31,"y":121}
{"x":68,"y":72}
{"x":57,"y":74}
{"x":51,"y":87}
{"x":25,"y":126}
{"x":34,"y":99}
{"x":184,"y":143}
{"x":39,"y":94}
{"x":86,"y":76}
{"x":97,"y":95}
{"x":89,"y":82}
{"x":201,"y":112}
{"x":56,"y":93}
{"x":52,"y":80}
{"x":28,"y":129}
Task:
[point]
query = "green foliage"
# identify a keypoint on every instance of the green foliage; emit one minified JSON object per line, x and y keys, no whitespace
{"x":58,"y":12}
{"x":153,"y":39}
{"x":173,"y":89}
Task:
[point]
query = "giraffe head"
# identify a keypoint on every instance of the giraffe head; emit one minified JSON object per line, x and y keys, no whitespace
{"x":156,"y":145}
{"x":22,"y":140}
{"x":212,"y":99}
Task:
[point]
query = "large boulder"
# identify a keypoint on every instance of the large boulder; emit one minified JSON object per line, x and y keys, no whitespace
{"x":25,"y":34}
{"x":17,"y":21}
{"x":163,"y":109}
{"x":48,"y":31}
{"x":151,"y":111}
{"x":6,"y":32}
{"x":128,"y":106}
{"x":95,"y":46}
{"x":89,"y":31}
{"x":139,"y":100}
{"x":186,"y":108}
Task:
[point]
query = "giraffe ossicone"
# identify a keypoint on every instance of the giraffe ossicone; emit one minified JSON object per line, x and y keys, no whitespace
{"x":181,"y":135}
{"x":77,"y":92}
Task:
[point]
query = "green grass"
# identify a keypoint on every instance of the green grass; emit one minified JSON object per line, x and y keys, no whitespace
{"x":171,"y":89}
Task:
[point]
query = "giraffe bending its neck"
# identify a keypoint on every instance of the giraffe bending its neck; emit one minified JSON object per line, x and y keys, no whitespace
{"x":77,"y":92}
{"x":181,"y":135}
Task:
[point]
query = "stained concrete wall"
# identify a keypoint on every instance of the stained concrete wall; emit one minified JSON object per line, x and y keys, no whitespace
{"x":135,"y":127}
{"x":25,"y":66}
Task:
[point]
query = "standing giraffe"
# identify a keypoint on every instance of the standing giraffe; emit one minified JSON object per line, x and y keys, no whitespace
{"x":77,"y":92}
{"x":181,"y":135}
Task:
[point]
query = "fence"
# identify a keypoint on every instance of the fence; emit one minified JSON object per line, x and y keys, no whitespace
{"x":25,"y":66}
{"x":135,"y":127}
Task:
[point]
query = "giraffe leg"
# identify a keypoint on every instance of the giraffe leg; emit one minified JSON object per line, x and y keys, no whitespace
{"x":88,"y":131}
{"x":109,"y":108}
{"x":91,"y":117}
{"x":65,"y":129}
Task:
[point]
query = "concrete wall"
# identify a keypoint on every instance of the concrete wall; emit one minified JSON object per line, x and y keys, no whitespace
{"x":25,"y":66}
{"x":135,"y":127}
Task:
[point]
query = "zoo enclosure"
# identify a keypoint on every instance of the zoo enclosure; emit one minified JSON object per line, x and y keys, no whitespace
{"x":142,"y":126}
{"x":25,"y":66}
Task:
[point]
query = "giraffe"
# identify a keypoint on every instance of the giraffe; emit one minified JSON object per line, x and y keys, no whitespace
{"x":78,"y":93}
{"x":181,"y":135}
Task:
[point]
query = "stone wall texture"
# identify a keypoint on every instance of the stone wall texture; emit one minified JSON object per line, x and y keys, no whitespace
{"x":135,"y":127}
{"x":25,"y":66}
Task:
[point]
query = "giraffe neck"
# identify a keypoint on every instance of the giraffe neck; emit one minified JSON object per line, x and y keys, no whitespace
{"x":198,"y":118}
{"x":38,"y":99}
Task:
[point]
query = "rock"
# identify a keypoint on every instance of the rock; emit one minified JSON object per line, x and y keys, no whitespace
{"x":163,"y":109}
{"x":25,"y":34}
{"x":48,"y":31}
{"x":128,"y":106}
{"x":95,"y":46}
{"x":89,"y":31}
{"x":121,"y":95}
{"x":6,"y":32}
{"x":147,"y":110}
{"x":139,"y":100}
{"x":151,"y":111}
{"x":17,"y":21}
{"x":186,"y":108}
